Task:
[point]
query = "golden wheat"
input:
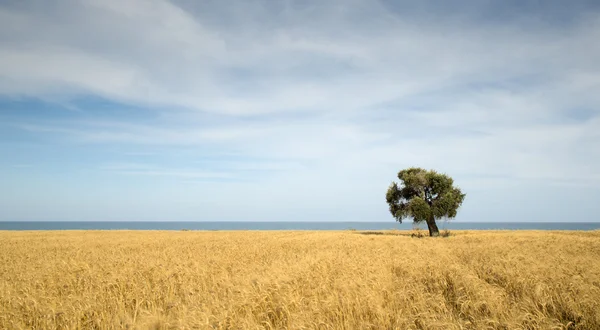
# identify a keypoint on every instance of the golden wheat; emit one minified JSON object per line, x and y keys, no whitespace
{"x":299,"y":280}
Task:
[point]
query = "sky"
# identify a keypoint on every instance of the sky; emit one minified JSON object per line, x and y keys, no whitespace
{"x":265,"y":110}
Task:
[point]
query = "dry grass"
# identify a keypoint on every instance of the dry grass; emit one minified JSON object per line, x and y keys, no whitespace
{"x":299,"y":280}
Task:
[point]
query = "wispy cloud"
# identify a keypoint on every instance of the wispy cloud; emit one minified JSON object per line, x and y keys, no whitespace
{"x":156,"y":53}
{"x":183,"y":174}
{"x":336,"y":94}
{"x":22,"y":166}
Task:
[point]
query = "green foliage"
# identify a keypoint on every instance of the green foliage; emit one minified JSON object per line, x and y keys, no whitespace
{"x":423,"y":195}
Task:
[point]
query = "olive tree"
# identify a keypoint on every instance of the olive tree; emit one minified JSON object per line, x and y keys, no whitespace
{"x":424,"y":196}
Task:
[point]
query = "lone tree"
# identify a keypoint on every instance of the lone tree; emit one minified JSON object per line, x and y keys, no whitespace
{"x":424,"y":196}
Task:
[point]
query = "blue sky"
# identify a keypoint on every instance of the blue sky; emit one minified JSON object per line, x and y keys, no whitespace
{"x":296,"y":110}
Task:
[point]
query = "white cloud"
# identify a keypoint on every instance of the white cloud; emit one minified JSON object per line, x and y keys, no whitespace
{"x":341,"y":94}
{"x":154,"y":53}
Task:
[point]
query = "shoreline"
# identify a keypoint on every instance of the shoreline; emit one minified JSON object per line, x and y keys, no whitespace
{"x":277,"y":226}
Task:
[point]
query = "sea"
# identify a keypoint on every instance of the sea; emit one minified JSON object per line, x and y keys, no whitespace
{"x":287,"y":225}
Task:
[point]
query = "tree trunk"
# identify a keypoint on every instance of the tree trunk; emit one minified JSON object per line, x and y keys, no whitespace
{"x":433,"y":228}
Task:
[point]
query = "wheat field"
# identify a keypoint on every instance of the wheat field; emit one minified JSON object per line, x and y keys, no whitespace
{"x":299,"y":280}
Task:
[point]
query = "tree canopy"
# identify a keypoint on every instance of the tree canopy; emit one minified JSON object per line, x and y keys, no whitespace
{"x":424,"y":195}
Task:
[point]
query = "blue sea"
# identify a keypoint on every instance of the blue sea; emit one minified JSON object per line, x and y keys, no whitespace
{"x":246,"y":225}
